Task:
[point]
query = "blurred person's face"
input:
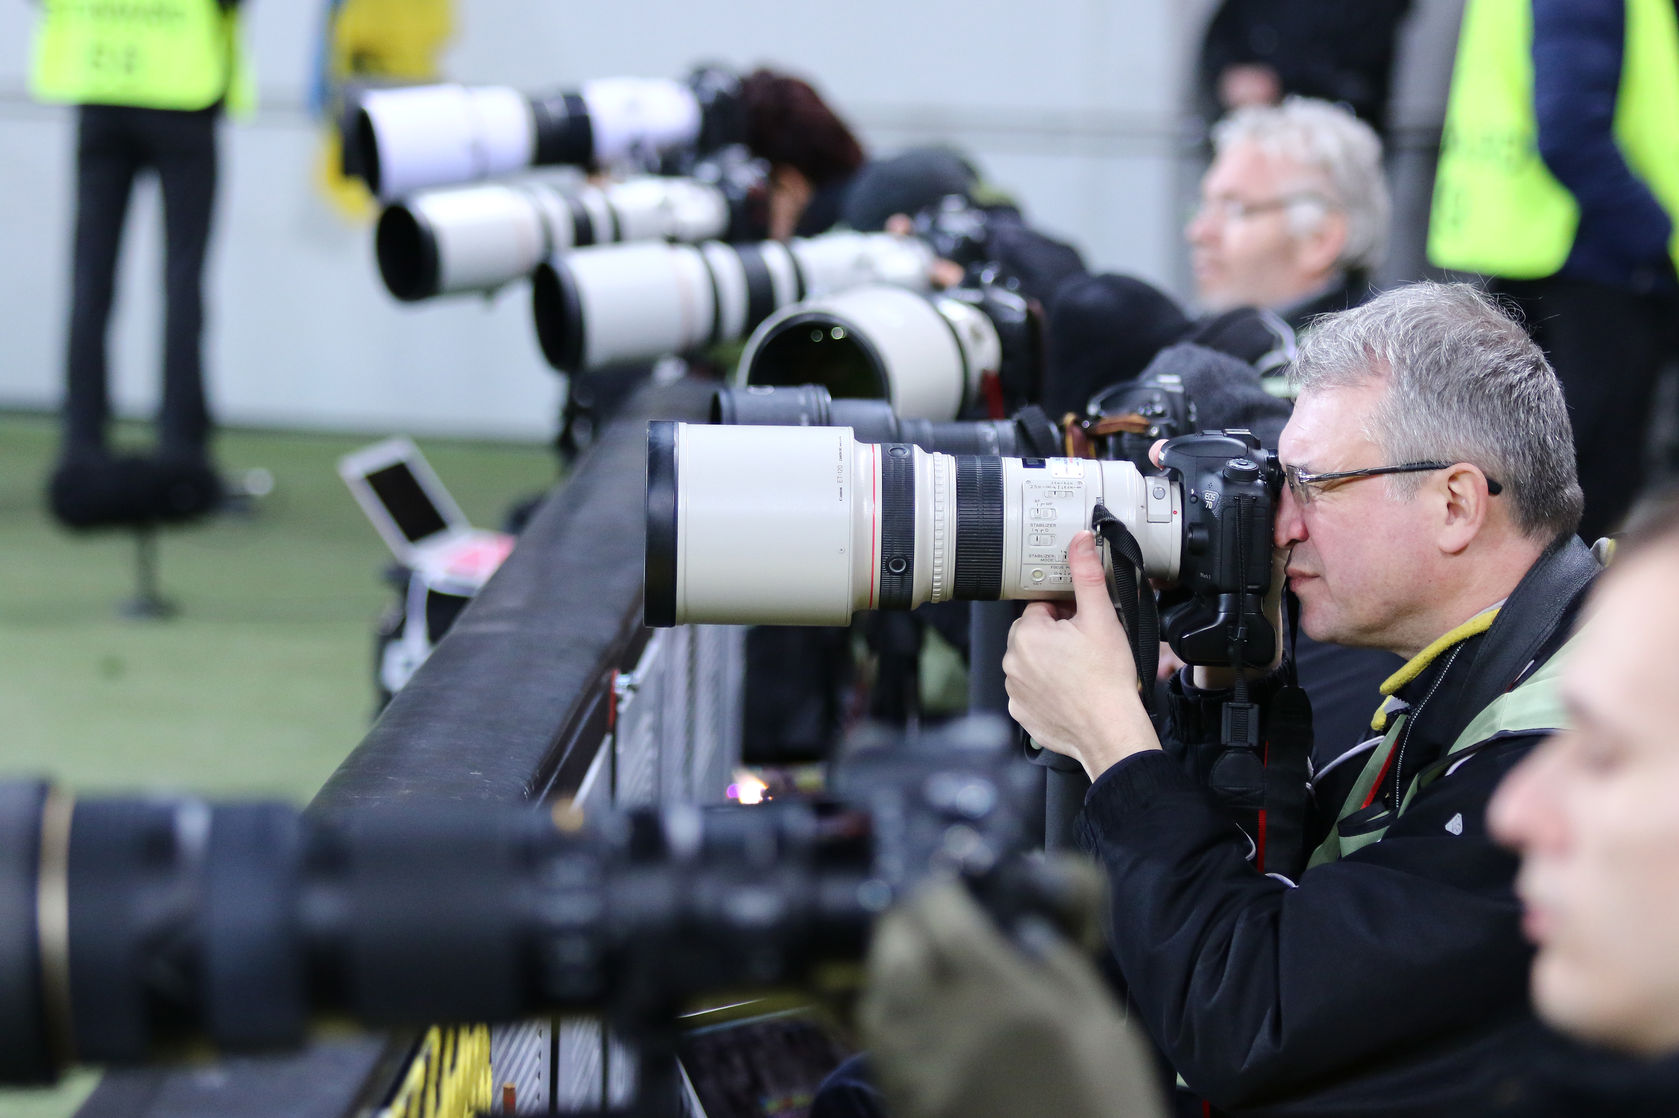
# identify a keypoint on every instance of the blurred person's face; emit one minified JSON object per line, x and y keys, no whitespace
{"x":1593,"y":813}
{"x":1242,"y":246}
{"x":789,"y":194}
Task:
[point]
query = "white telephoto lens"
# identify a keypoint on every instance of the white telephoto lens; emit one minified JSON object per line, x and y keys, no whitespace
{"x":805,"y":526}
{"x":439,"y":135}
{"x":472,"y":238}
{"x":925,"y":355}
{"x":634,"y":118}
{"x":654,"y":208}
{"x":621,"y":304}
{"x":843,"y":260}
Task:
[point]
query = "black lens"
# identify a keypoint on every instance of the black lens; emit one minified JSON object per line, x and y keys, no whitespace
{"x":24,"y":1056}
{"x":565,"y":135}
{"x":366,"y":140}
{"x":872,"y":421}
{"x":804,"y":405}
{"x":979,"y":528}
{"x":994,"y":437}
{"x":820,"y":349}
{"x":407,"y":250}
{"x":659,"y":605}
{"x":559,"y":316}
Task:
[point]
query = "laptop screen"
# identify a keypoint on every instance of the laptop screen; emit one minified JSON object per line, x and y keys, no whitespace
{"x":400,"y":492}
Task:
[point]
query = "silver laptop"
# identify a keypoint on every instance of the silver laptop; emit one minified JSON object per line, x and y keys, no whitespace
{"x":415,"y":516}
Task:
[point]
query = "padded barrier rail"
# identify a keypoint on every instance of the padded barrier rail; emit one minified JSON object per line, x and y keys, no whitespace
{"x":513,"y":706}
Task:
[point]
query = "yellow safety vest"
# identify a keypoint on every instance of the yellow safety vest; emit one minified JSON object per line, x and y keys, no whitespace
{"x":157,"y":54}
{"x":1497,"y":209}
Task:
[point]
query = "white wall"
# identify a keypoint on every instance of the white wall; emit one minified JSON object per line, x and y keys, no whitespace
{"x":1072,"y":105}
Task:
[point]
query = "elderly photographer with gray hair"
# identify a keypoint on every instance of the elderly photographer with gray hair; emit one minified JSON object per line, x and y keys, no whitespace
{"x":1429,"y":510}
{"x":1294,"y":211}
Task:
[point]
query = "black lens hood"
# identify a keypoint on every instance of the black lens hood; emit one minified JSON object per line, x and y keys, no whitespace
{"x":24,"y":1057}
{"x":365,"y":139}
{"x":558,"y":311}
{"x":406,"y":246}
{"x":659,"y":570}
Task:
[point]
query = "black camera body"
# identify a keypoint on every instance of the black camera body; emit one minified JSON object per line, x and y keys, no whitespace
{"x":1160,"y":400}
{"x":743,"y":181}
{"x":957,"y":231}
{"x":1020,"y":335}
{"x":1230,"y":485}
{"x":722,"y":116}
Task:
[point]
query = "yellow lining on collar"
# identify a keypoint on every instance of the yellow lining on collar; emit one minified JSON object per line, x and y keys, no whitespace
{"x":1415,"y":666}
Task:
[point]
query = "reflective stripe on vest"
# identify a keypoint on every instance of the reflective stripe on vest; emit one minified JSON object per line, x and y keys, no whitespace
{"x":1497,"y":209}
{"x":158,"y":54}
{"x":1533,"y":707}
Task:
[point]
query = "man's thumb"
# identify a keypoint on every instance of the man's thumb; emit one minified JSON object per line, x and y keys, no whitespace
{"x":1090,"y":584}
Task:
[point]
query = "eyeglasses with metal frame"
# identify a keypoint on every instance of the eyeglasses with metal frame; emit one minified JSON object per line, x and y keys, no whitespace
{"x":1305,"y":485}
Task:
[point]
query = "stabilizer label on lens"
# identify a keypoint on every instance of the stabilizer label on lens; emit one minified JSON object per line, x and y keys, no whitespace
{"x":1051,"y":513}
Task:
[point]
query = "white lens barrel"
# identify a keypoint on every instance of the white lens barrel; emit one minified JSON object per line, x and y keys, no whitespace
{"x":805,"y":526}
{"x":436,"y":135}
{"x":669,"y":209}
{"x":641,"y":301}
{"x":473,"y":238}
{"x":478,"y":238}
{"x":928,"y":354}
{"x":844,"y":260}
{"x":1049,"y":500}
{"x":635,"y":119}
{"x":774,"y":525}
{"x":622,"y":304}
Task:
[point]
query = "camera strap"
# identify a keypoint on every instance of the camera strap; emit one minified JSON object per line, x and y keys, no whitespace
{"x":1133,"y":598}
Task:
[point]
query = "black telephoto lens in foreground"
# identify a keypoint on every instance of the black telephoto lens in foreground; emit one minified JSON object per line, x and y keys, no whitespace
{"x":132,"y":929}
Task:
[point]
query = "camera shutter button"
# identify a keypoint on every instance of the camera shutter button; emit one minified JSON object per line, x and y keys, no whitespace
{"x":1241,"y":469}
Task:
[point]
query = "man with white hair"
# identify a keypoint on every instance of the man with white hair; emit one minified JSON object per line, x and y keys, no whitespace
{"x":1294,"y":211}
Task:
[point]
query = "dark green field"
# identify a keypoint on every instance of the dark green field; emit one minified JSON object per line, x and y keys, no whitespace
{"x":259,"y":686}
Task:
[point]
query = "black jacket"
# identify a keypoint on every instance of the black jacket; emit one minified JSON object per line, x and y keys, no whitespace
{"x":1390,"y":982}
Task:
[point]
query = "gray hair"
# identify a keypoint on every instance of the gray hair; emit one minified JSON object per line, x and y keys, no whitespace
{"x":1465,"y":384}
{"x":1334,"y":147}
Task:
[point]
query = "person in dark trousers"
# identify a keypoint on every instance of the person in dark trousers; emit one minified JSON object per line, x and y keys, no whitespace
{"x":1557,"y":181}
{"x":149,"y":86}
{"x":1430,"y":510}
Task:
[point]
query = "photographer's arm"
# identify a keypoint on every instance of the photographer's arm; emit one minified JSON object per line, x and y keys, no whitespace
{"x":1261,"y":993}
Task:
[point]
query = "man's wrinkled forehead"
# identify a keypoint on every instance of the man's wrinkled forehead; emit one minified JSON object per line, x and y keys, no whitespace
{"x":1328,"y":421}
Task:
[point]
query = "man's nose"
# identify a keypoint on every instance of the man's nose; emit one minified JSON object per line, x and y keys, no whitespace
{"x":1289,"y":528}
{"x":1199,"y":228}
{"x":1524,"y":813}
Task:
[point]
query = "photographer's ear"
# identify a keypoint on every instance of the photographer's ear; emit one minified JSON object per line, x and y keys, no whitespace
{"x":1465,"y":506}
{"x":1155,"y":451}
